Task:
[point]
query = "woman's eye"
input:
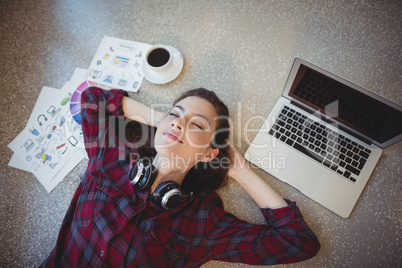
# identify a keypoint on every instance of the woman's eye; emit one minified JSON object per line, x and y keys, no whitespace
{"x":173,"y":114}
{"x":197,"y":125}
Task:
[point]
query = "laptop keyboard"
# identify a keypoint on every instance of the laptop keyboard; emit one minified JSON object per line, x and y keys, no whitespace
{"x":331,"y":149}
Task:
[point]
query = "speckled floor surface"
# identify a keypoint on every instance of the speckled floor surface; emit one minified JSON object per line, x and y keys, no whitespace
{"x":241,"y":49}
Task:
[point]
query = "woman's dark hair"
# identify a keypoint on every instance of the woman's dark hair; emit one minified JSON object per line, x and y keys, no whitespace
{"x":205,"y":175}
{"x":210,"y":175}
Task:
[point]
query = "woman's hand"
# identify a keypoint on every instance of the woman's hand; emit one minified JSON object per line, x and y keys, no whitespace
{"x":139,"y":112}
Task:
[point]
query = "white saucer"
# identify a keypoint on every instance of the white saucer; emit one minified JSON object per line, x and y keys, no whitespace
{"x":166,"y":76}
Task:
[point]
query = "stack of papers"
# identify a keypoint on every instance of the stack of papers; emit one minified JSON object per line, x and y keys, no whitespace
{"x":52,"y":143}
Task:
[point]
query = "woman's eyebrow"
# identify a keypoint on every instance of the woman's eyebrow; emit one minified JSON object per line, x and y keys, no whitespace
{"x":203,"y":116}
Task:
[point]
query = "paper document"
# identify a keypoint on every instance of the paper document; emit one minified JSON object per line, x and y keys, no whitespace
{"x":117,"y":64}
{"x":52,"y":143}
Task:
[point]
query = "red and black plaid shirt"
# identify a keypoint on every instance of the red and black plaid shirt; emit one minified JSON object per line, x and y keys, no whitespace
{"x":101,"y":226}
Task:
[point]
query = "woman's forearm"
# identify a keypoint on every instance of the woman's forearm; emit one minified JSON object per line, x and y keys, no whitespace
{"x":262,"y":193}
{"x":140,"y":112}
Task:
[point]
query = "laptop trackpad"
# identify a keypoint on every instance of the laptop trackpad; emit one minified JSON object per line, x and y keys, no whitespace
{"x":301,"y":172}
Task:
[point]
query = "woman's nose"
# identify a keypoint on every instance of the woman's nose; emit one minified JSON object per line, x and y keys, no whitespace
{"x":177,"y":123}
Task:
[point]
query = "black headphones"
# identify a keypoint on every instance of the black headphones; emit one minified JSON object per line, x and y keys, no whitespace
{"x":168,"y":194}
{"x":39,"y":117}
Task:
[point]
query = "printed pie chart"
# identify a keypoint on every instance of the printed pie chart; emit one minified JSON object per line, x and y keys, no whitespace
{"x":75,"y":102}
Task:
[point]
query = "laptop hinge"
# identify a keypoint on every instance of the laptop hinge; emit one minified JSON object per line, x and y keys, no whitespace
{"x":332,"y":122}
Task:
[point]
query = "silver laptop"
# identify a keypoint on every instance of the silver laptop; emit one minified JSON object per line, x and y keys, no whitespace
{"x":325,"y":135}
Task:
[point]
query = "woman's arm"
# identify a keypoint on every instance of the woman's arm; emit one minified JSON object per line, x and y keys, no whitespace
{"x":139,"y":112}
{"x":96,"y":107}
{"x":263,"y":194}
{"x":286,"y":238}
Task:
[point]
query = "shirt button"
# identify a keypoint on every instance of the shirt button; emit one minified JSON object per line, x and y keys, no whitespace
{"x":101,"y":253}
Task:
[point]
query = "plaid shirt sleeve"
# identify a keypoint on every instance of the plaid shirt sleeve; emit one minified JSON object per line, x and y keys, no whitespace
{"x":97,"y":105}
{"x":285,"y":239}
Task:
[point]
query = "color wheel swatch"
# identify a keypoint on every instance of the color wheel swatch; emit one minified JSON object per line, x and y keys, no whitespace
{"x":75,"y":103}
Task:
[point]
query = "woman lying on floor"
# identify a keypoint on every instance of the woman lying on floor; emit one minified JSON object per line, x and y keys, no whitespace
{"x":148,"y":198}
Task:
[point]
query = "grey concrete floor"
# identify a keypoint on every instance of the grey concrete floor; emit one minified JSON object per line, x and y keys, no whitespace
{"x":241,"y":49}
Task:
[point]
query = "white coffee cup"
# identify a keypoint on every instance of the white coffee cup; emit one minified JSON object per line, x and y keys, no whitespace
{"x":159,"y":58}
{"x":161,"y":64}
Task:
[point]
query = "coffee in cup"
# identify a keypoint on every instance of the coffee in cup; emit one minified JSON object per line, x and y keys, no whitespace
{"x":158,"y":57}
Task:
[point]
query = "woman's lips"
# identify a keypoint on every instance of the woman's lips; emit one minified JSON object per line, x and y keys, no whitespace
{"x":172,"y":135}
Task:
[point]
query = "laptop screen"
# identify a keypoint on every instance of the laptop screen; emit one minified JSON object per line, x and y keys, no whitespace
{"x":365,"y":114}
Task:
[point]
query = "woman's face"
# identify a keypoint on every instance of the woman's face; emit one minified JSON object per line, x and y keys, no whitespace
{"x":186,"y":133}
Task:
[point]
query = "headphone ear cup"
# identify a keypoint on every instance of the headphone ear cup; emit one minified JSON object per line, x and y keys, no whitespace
{"x":148,"y":179}
{"x":168,"y":195}
{"x":142,"y":175}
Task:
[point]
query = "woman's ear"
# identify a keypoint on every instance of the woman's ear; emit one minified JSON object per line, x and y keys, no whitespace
{"x":212,"y":153}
